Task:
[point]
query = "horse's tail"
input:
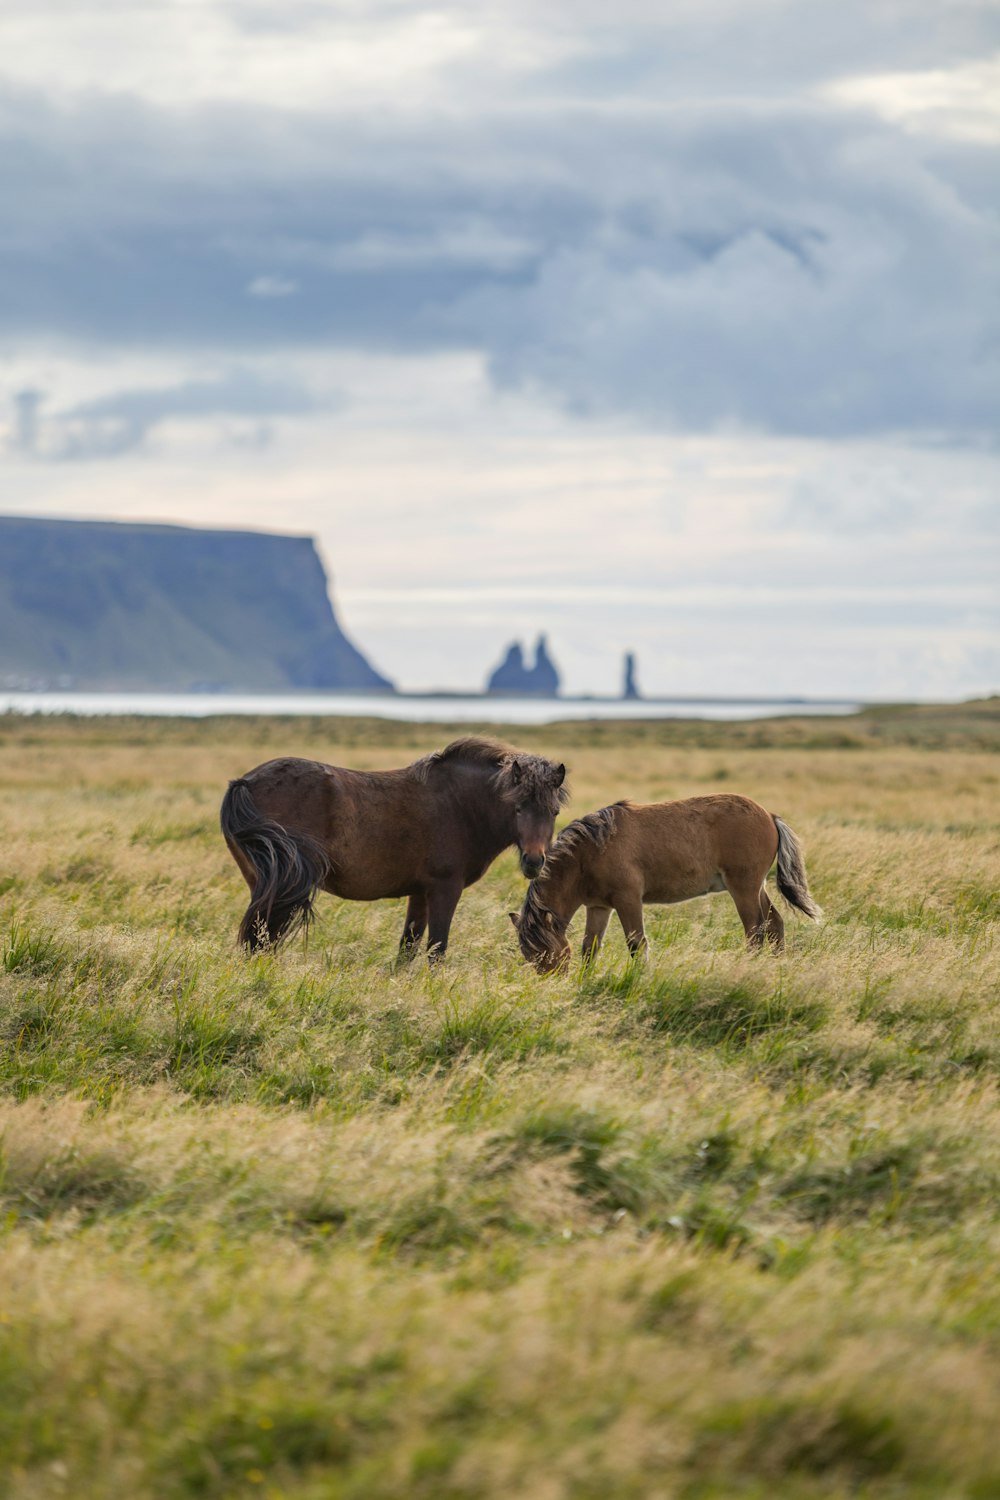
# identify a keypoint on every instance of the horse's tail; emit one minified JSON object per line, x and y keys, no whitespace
{"x":289,"y":867}
{"x":792,"y":882}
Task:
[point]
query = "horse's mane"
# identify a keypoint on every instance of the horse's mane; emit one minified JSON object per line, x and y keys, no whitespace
{"x":536,"y":775}
{"x":537,"y":924}
{"x":593,"y":830}
{"x":480,"y":752}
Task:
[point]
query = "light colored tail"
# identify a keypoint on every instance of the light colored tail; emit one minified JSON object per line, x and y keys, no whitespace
{"x":792,"y":882}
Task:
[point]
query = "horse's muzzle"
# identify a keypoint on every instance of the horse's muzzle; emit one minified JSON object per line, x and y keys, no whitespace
{"x":532,"y":864}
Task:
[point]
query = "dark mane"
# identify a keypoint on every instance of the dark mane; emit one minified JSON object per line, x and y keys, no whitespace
{"x":471,"y":749}
{"x":536,"y":776}
{"x":593,"y":830}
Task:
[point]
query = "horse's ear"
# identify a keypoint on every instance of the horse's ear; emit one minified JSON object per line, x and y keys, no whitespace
{"x":515,"y":919}
{"x":515,"y":773}
{"x":560,"y":775}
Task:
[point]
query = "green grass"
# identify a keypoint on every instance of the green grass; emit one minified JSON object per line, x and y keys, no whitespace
{"x":317,"y":1225}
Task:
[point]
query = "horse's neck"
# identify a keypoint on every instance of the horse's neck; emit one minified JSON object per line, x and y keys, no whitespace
{"x":491,"y":817}
{"x":559,"y":888}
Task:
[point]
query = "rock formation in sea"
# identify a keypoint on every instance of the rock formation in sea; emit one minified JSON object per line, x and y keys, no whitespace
{"x":514,"y":678}
{"x":630,"y":688}
{"x":108,"y":606}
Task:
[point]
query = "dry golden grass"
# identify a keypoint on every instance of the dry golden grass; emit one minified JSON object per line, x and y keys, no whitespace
{"x":311,"y":1226}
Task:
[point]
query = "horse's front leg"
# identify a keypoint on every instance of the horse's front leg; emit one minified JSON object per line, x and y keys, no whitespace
{"x":441,"y":902}
{"x":598,"y":918}
{"x":629,"y":909}
{"x":415,"y":924}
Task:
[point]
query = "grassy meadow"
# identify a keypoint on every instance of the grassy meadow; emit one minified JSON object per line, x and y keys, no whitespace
{"x":317,"y":1227}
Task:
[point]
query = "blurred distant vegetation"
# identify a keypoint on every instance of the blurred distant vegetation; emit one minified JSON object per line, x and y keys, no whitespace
{"x":975,"y":724}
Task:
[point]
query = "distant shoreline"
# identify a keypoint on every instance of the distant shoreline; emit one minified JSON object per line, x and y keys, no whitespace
{"x":425,"y":694}
{"x":454,"y":708}
{"x":444,"y":708}
{"x":613,"y":698}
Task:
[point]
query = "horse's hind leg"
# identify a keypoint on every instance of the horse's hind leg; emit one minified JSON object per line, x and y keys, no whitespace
{"x":747,"y":896}
{"x":774,"y":926}
{"x":598,"y":918}
{"x":414,"y":926}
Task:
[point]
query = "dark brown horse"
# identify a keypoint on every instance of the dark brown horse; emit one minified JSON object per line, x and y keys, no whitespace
{"x":635,"y":854}
{"x":425,"y":832}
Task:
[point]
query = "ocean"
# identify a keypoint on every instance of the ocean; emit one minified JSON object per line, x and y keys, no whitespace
{"x":412,"y":707}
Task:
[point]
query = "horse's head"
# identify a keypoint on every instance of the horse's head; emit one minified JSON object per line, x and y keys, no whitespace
{"x":541,"y":934}
{"x":537,"y":790}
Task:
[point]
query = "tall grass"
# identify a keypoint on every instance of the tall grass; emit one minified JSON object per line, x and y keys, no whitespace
{"x":314,"y":1225}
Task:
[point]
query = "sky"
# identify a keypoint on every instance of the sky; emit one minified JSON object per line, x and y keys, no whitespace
{"x":672,"y":328}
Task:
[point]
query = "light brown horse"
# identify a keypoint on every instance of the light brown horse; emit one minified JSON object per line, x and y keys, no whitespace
{"x":424,"y":832}
{"x":635,"y":854}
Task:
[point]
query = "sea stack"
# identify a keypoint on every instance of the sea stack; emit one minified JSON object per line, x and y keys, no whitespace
{"x":514,"y":678}
{"x":630,"y":689}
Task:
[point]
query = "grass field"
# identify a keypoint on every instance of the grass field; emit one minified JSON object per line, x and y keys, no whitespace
{"x":309,"y":1226}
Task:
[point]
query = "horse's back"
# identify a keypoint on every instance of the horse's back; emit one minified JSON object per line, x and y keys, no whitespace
{"x":294,"y":792}
{"x":676,"y":847}
{"x":373,"y":824}
{"x":725,"y":815}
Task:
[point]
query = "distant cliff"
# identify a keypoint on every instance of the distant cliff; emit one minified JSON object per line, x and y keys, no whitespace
{"x":102,"y":605}
{"x":513,"y":675}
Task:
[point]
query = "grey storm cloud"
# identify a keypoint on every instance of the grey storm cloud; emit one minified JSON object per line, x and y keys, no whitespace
{"x":781,"y":264}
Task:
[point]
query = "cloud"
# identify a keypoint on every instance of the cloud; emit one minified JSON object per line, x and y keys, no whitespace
{"x":392,"y":54}
{"x":610,"y":226}
{"x":272,"y":286}
{"x":120,"y":422}
{"x":468,"y":243}
{"x":963,"y":102}
{"x":24,"y":434}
